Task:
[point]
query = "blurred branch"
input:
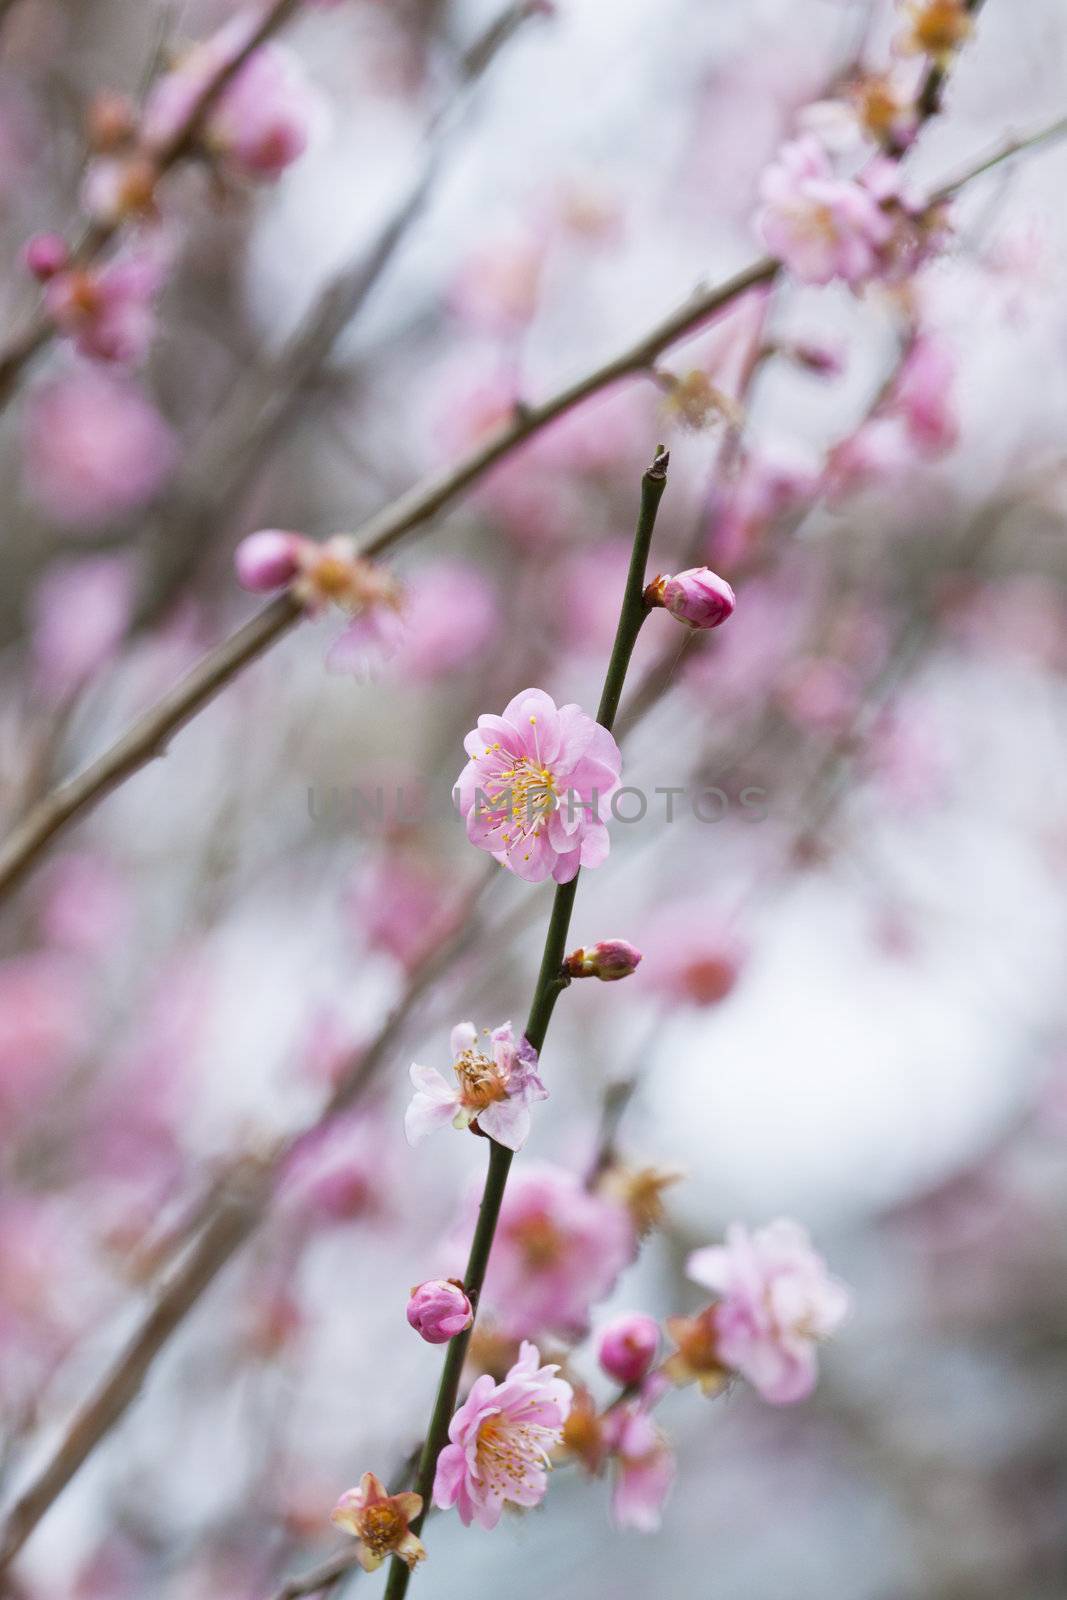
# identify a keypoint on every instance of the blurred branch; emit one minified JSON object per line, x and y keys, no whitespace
{"x":244,"y":1203}
{"x":39,"y":330}
{"x":238,"y":441}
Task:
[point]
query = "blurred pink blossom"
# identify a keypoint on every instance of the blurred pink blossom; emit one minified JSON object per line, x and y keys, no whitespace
{"x":776,"y":1302}
{"x":558,"y":1251}
{"x":820,"y":226}
{"x":626,"y":1347}
{"x":691,"y":956}
{"x":81,"y":610}
{"x":500,"y":1439}
{"x":261,"y":122}
{"x":108,"y":312}
{"x":402,"y":905}
{"x":94,"y":447}
{"x":924,"y":394}
{"x":43,"y":1026}
{"x":83,"y":904}
{"x":644,"y":1466}
{"x":496,"y":287}
{"x":532,"y":774}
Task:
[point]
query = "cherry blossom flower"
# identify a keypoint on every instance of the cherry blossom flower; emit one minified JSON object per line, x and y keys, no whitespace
{"x":777,"y":1301}
{"x":94,"y":447}
{"x":80,"y":613}
{"x":495,"y":1091}
{"x":691,"y":956}
{"x":537,"y":786}
{"x":558,"y":1250}
{"x":381,"y":1522}
{"x":500,"y":1439}
{"x":877,"y":106}
{"x":108,"y":312}
{"x":820,"y":226}
{"x":261,"y":121}
{"x":439,"y":1309}
{"x":923,"y":395}
{"x":644,"y":1464}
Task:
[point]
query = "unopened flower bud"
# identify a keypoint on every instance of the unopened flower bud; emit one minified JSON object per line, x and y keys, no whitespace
{"x":628,"y":1347}
{"x":439,"y":1309}
{"x":268,"y":560}
{"x":609,"y":960}
{"x":699,"y":597}
{"x":45,"y":255}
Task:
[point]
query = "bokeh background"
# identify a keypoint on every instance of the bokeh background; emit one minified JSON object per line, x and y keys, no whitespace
{"x":851,"y":1008}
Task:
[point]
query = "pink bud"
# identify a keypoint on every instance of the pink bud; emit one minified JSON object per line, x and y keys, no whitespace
{"x":45,"y":255}
{"x":698,"y":597}
{"x":439,"y":1309}
{"x":628,"y":1347}
{"x":609,"y":960}
{"x":268,"y":560}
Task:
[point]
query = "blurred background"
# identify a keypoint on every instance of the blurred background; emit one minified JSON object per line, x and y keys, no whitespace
{"x":851,"y":1008}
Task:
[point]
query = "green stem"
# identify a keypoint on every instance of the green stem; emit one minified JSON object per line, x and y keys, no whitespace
{"x":550,"y":985}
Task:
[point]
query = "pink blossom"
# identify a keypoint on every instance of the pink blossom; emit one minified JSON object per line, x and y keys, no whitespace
{"x":42,"y":1025}
{"x":380,"y":1521}
{"x":439,"y":1309}
{"x":497,"y":286}
{"x":81,"y":610}
{"x":644,"y":1466}
{"x":83,"y":904}
{"x":537,"y":786}
{"x":820,"y":226}
{"x":119,"y":186}
{"x":691,"y":956}
{"x":608,"y":959}
{"x":777,"y":1301}
{"x":923,"y":396}
{"x":449,"y":612}
{"x":261,"y":122}
{"x":494,"y":1091}
{"x":698,"y":597}
{"x":94,"y":447}
{"x":500,"y":1440}
{"x":558,"y":1250}
{"x":342,"y":1173}
{"x":268,"y":560}
{"x":108,"y":312}
{"x":878,"y":451}
{"x":765,"y":490}
{"x":627,"y":1347}
{"x":401,"y":905}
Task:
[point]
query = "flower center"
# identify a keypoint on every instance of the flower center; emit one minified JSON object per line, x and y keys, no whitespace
{"x":510,"y":1453}
{"x":381,"y":1528}
{"x":540,"y":1241}
{"x":480,"y":1080}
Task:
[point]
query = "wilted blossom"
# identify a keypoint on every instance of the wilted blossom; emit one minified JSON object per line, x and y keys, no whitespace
{"x":500,"y":1439}
{"x":558,"y":1251}
{"x":108,"y":312}
{"x":537,"y":786}
{"x":698,"y":597}
{"x":820,"y":226}
{"x":80,"y":614}
{"x":496,"y":1091}
{"x":643,"y":1463}
{"x":439,"y":1309}
{"x":935,"y":28}
{"x":94,"y":447}
{"x":627,"y":1347}
{"x":260,"y":123}
{"x":776,"y":1302}
{"x":381,"y":1522}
